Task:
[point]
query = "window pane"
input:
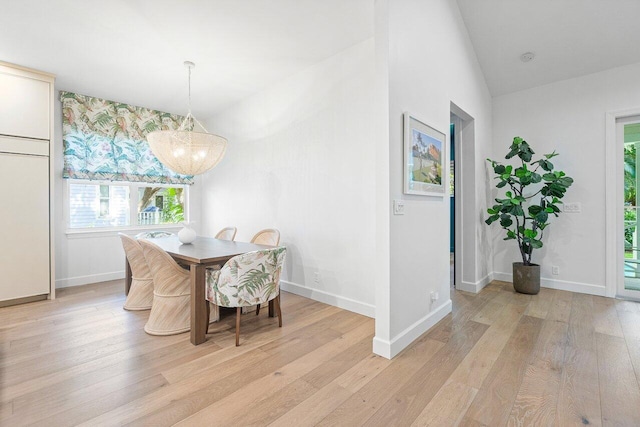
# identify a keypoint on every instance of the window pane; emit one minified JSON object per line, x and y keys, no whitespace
{"x":86,"y":206}
{"x":160,"y":205}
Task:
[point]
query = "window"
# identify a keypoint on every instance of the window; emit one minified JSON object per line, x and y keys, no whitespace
{"x":113,"y":178}
{"x":121,"y":204}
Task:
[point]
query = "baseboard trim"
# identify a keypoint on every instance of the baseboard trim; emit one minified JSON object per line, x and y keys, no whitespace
{"x":562,"y":285}
{"x":475,"y":287}
{"x":390,"y":349}
{"x":85,"y":280}
{"x":359,"y":307}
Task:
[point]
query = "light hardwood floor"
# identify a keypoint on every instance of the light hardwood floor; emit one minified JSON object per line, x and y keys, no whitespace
{"x":499,"y":359}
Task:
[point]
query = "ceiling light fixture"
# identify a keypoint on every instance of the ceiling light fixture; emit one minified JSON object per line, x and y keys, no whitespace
{"x":189,"y":150}
{"x":527,"y":56}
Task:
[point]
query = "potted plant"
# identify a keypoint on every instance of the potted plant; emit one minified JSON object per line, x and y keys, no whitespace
{"x":523,"y":219}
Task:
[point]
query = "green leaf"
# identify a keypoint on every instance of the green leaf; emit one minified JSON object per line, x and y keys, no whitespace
{"x":491,"y":219}
{"x":536,"y":244}
{"x":530,"y":233}
{"x":506,"y":221}
{"x":499,"y":169}
{"x":542,"y":217}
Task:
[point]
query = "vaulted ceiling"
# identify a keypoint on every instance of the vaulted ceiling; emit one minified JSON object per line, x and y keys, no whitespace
{"x":569,"y":38}
{"x":133,"y":50}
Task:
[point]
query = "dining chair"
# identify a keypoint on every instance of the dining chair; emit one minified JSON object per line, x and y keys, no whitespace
{"x":246,"y":280}
{"x":268,"y":236}
{"x":227,"y":233}
{"x":170,"y":311}
{"x":140,"y":295}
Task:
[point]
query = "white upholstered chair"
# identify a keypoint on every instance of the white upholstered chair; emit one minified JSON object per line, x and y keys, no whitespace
{"x":170,"y":311}
{"x":227,"y":233}
{"x":247,"y":280}
{"x":269,"y":236}
{"x":140,"y":295}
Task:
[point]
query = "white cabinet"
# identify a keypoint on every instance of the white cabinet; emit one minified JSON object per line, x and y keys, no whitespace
{"x":26,"y":161}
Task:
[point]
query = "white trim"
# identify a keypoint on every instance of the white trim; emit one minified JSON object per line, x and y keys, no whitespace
{"x":614,"y":247}
{"x":359,"y":307}
{"x":390,"y":349}
{"x":92,"y":278}
{"x":90,"y":233}
{"x":563,"y":285}
{"x":477,"y":286}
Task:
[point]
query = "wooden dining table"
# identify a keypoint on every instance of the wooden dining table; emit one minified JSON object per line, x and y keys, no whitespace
{"x":203,"y":253}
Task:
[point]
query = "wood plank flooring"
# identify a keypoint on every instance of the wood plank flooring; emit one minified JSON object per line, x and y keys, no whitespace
{"x":500,"y":358}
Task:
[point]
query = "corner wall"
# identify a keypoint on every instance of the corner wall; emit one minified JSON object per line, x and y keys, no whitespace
{"x":301,"y":159}
{"x":431,"y":65}
{"x":568,"y":116}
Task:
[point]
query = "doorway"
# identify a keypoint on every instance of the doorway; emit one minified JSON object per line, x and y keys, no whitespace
{"x":628,"y":137}
{"x":452,"y":205}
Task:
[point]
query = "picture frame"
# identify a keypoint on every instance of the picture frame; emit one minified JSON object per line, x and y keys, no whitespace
{"x":424,"y":158}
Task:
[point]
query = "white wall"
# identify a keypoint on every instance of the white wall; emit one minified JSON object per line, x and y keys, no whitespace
{"x":301,"y":159}
{"x":568,"y":116}
{"x":431,"y":63}
{"x":88,"y":257}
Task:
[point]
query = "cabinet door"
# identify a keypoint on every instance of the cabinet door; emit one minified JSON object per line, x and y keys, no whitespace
{"x":24,"y":215}
{"x":24,"y":106}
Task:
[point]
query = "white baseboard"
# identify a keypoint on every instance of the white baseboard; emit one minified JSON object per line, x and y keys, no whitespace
{"x":563,"y":285}
{"x":390,"y":349}
{"x":85,"y":280}
{"x":359,"y":307}
{"x":475,"y":287}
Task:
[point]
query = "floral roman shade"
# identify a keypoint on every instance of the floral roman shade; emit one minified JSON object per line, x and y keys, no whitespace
{"x":106,"y":140}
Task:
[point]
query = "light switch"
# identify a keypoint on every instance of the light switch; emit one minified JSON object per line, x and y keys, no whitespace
{"x":398,"y":207}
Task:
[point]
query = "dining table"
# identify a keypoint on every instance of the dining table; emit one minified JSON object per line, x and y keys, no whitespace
{"x":202,"y":253}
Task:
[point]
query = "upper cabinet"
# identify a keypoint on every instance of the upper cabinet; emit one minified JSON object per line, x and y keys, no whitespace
{"x":24,"y":104}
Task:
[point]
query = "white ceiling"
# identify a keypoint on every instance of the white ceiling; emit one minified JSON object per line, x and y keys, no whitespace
{"x":569,"y":37}
{"x":133,"y":50}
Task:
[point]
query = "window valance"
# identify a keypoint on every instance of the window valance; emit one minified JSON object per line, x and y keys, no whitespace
{"x":106,"y":140}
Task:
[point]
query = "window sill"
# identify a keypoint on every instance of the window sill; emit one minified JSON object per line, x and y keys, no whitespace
{"x":85,"y":233}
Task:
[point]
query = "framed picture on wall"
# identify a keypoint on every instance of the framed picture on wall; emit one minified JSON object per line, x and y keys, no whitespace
{"x":424,"y":154}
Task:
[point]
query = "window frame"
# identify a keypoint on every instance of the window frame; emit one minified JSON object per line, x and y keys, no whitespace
{"x":133,"y":214}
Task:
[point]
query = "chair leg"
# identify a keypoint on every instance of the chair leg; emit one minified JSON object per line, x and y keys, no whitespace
{"x":206,"y":328}
{"x":277,"y":299}
{"x":238,"y":313}
{"x":257,"y":309}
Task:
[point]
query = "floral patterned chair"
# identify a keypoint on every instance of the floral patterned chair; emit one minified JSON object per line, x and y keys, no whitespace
{"x":140,"y":296}
{"x":268,"y":236}
{"x":247,"y":280}
{"x":227,"y":233}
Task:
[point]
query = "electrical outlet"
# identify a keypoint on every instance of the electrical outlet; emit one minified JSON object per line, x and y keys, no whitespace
{"x":316,"y":277}
{"x":398,"y":207}
{"x":555,"y":270}
{"x":571,"y":208}
{"x":434,"y":296}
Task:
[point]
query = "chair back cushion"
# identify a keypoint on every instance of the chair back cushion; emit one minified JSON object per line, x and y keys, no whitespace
{"x":248,"y":279}
{"x":169,"y":278}
{"x":135,"y":256}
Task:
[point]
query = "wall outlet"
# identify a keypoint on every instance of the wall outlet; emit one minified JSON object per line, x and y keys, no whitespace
{"x":434,"y":296}
{"x":316,"y":277}
{"x":398,"y":207}
{"x":572,"y":207}
{"x":555,"y":270}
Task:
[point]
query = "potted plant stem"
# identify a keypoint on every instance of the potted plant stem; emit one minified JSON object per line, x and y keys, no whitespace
{"x":534,"y":192}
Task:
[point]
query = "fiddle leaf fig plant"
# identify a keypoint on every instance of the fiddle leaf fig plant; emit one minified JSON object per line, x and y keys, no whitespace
{"x":520,"y":214}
